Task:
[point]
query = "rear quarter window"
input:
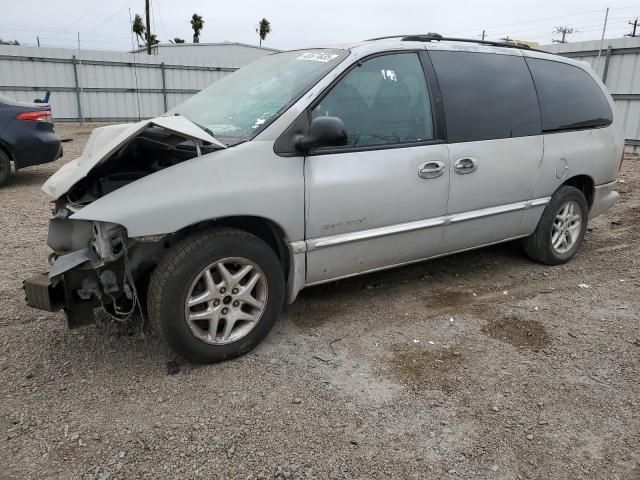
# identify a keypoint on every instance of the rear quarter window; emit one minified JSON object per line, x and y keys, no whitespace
{"x":486,"y":96}
{"x":569,"y":97}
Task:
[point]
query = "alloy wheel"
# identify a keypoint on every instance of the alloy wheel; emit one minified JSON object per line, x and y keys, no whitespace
{"x":565,"y":231}
{"x":226,"y":300}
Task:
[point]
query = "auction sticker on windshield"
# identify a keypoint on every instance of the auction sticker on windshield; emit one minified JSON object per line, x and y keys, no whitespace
{"x":317,"y":57}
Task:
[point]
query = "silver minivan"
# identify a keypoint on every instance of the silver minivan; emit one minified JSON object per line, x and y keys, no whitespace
{"x":314,"y":165}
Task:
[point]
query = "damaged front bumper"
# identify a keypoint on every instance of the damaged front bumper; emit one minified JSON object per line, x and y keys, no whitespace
{"x":89,"y":269}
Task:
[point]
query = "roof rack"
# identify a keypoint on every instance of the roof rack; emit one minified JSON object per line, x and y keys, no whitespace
{"x":436,"y":37}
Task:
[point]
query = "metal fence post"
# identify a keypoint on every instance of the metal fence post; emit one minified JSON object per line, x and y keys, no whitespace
{"x":606,"y":65}
{"x":77,"y":85}
{"x":164,"y":86}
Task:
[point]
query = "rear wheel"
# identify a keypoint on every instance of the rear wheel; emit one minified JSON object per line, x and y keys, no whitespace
{"x":561,"y":228}
{"x":216,"y":295}
{"x":5,"y":168}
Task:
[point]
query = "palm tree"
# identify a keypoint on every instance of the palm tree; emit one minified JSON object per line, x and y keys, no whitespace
{"x":197,"y":23}
{"x":138,"y":29}
{"x":263,"y":29}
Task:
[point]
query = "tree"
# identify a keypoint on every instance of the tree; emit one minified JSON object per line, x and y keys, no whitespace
{"x":178,"y":40}
{"x":153,"y":39}
{"x":564,"y":31}
{"x":263,"y":29}
{"x":138,"y":29}
{"x":197,"y":23}
{"x":9,"y":42}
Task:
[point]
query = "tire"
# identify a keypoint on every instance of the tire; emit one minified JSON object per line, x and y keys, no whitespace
{"x":540,"y":246}
{"x":5,"y":168}
{"x":181,"y":275}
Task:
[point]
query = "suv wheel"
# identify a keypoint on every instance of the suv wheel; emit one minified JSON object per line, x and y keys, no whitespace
{"x":216,"y":295}
{"x":561,"y":228}
{"x":5,"y":168}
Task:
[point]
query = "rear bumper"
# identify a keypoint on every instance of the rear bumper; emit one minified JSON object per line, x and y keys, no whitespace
{"x":604,"y":197}
{"x":31,"y":143}
{"x":42,"y":147}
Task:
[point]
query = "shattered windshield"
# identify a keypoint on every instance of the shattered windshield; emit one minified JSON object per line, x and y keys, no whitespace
{"x":241,"y":104}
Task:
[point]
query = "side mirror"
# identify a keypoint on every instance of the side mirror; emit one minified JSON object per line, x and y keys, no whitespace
{"x":323,"y":132}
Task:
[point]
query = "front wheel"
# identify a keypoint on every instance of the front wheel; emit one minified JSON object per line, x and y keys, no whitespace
{"x":216,"y":295}
{"x":561,"y":228}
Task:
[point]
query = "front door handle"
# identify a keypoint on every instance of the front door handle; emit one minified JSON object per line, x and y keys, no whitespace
{"x":432,"y":169}
{"x":465,"y":165}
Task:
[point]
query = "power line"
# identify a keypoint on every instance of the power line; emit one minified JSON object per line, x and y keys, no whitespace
{"x":582,"y":13}
{"x":156,"y":6}
{"x":110,"y":18}
{"x":90,"y":9}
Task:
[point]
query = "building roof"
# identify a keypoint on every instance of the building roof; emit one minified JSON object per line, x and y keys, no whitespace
{"x":213,"y":44}
{"x":592,"y":45}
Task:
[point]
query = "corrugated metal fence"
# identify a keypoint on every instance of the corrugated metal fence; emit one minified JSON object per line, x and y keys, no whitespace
{"x":618,"y":64}
{"x":103,"y":86}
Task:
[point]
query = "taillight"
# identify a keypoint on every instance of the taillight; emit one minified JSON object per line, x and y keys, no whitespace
{"x":41,"y":116}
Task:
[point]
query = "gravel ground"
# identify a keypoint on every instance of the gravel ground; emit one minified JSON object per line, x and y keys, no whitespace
{"x":480,"y":365}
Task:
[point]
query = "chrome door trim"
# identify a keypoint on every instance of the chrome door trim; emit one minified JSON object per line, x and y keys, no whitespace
{"x":323,"y":242}
{"x":487,"y":212}
{"x":330,"y":241}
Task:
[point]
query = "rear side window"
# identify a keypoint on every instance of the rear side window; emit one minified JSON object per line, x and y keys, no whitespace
{"x":486,"y":96}
{"x":569,"y":97}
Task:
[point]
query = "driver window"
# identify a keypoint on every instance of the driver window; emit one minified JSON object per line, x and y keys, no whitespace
{"x":382,"y":101}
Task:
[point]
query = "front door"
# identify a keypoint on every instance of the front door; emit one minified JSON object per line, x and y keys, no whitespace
{"x":495,"y":144}
{"x":380,"y":200}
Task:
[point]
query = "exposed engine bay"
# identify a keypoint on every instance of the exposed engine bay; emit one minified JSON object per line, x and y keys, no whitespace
{"x":153,"y":150}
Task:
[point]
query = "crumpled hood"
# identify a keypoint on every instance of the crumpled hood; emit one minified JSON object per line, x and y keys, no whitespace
{"x":104,"y":141}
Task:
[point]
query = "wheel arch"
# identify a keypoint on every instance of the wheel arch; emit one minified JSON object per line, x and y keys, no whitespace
{"x":585,"y":184}
{"x":265,"y":229}
{"x":5,"y":149}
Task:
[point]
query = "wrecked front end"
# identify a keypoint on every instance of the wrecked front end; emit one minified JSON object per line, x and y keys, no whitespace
{"x":94,"y":263}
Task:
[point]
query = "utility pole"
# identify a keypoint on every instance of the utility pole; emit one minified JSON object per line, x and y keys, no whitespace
{"x":484,"y":35}
{"x":604,"y":30}
{"x":634,"y":24}
{"x":507,"y":39}
{"x":564,"y":31}
{"x":148,"y":15}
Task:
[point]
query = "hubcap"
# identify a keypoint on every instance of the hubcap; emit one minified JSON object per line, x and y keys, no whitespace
{"x":566,"y":227}
{"x":226,"y":300}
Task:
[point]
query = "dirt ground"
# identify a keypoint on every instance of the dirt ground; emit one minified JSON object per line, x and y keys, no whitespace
{"x":480,"y":365}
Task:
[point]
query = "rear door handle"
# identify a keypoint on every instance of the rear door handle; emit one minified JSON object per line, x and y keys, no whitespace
{"x":432,"y":169}
{"x":465,"y":165}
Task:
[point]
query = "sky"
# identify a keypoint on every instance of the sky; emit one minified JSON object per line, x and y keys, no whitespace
{"x":105,"y":24}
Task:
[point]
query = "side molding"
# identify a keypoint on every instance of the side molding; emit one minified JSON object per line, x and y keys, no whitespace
{"x":323,"y":242}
